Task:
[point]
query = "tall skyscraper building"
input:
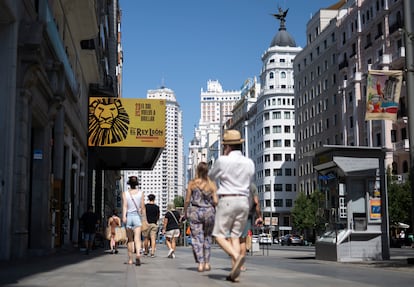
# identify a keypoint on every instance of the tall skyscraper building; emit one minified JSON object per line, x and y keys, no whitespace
{"x":166,"y":180}
{"x":216,"y":106}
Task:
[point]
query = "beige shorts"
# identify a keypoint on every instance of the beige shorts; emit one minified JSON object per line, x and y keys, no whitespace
{"x":231,"y":216}
{"x":151,"y":231}
{"x":172,"y":233}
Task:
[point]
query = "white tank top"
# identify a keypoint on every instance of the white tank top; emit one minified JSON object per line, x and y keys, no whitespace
{"x":131,"y":206}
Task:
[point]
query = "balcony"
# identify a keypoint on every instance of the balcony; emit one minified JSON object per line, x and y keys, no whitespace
{"x":82,"y":18}
{"x":357,"y":77}
{"x":401,"y":146}
{"x":385,"y":60}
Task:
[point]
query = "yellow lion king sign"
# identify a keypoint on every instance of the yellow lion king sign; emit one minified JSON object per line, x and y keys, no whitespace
{"x":126,"y":122}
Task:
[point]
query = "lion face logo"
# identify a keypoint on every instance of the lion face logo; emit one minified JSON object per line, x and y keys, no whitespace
{"x":108,"y":122}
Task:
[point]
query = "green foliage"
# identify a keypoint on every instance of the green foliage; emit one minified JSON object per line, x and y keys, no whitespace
{"x":179,"y":201}
{"x":399,"y":201}
{"x":307,"y":212}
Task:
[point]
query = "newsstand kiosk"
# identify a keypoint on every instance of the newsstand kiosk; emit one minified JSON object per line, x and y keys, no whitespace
{"x":353,"y":181}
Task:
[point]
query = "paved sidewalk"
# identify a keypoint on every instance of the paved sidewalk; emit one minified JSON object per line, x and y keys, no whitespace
{"x":272,"y":268}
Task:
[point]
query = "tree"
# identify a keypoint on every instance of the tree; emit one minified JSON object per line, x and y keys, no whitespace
{"x":399,"y":201}
{"x":307,"y":213}
{"x":179,"y":201}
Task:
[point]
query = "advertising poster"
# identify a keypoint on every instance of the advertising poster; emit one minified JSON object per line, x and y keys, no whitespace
{"x":383,"y":94}
{"x":375,"y":208}
{"x":126,"y":122}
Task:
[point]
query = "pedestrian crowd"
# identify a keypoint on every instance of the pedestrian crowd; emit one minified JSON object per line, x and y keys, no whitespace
{"x":221,"y":202}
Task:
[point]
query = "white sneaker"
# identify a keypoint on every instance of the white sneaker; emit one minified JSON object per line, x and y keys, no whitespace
{"x":170,"y":253}
{"x":173,"y":254}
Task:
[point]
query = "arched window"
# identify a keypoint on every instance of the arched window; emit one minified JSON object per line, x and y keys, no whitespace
{"x":271,"y":75}
{"x":405,"y":166}
{"x":283,"y":75}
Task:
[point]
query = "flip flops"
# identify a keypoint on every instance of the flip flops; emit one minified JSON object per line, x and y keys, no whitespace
{"x":235,"y":271}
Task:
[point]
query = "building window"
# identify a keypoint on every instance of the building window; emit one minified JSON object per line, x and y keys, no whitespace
{"x":403,"y":133}
{"x":279,"y":187}
{"x":277,"y":143}
{"x":278,"y":202}
{"x":287,"y":143}
{"x":393,"y":136}
{"x":288,"y":171}
{"x":288,"y":157}
{"x":266,"y":116}
{"x":277,"y":172}
{"x":277,"y":157}
{"x":289,"y":202}
{"x":277,"y":115}
{"x":267,"y":157}
{"x":267,"y":130}
{"x":287,"y":129}
{"x":287,"y":115}
{"x":277,"y":129}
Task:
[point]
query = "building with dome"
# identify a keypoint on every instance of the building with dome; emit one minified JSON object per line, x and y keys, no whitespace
{"x":272,"y":131}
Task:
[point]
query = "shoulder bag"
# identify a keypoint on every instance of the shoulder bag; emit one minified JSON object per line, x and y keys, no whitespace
{"x":144,"y":222}
{"x":174,"y":217}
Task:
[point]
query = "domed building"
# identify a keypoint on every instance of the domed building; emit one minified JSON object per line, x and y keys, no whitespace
{"x":273,"y":147}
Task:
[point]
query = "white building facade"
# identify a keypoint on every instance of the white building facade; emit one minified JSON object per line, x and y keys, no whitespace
{"x":216,"y":106}
{"x":344,"y":42}
{"x":272,"y":133}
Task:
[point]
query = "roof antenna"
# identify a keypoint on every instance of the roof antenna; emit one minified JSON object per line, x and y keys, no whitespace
{"x":162,"y":83}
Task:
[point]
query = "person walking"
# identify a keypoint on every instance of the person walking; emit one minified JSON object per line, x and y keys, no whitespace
{"x":171,"y":228}
{"x":202,"y":195}
{"x":255,"y":215}
{"x":150,"y":235}
{"x":89,"y":223}
{"x":235,"y":172}
{"x":133,"y":208}
{"x":113,"y":222}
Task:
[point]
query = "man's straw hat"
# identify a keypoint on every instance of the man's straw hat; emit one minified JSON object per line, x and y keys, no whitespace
{"x":231,"y":137}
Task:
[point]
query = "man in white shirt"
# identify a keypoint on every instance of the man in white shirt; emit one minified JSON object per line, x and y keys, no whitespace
{"x":235,"y":173}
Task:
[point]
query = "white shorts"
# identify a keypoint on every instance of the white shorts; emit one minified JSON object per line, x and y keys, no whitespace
{"x":231,"y":216}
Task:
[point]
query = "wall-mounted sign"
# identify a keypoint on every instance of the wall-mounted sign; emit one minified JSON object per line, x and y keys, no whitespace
{"x":375,"y":208}
{"x":126,"y":122}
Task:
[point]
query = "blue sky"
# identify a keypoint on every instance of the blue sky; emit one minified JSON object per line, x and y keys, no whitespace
{"x":182,"y":44}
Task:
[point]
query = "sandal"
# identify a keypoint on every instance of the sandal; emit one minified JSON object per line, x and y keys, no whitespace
{"x":200,"y":267}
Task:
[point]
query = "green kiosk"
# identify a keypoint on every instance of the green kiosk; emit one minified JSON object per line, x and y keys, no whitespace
{"x":354,"y":183}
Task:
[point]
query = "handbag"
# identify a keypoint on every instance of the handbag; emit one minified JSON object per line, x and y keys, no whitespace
{"x":120,"y":234}
{"x":108,"y":233}
{"x":144,"y":221}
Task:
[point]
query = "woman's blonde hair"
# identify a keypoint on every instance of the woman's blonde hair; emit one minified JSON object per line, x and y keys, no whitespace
{"x":170,"y":206}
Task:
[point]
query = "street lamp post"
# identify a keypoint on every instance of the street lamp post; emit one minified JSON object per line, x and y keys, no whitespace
{"x":271,"y":207}
{"x":409,"y":60}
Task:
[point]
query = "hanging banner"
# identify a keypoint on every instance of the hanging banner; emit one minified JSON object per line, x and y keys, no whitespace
{"x":383,"y":94}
